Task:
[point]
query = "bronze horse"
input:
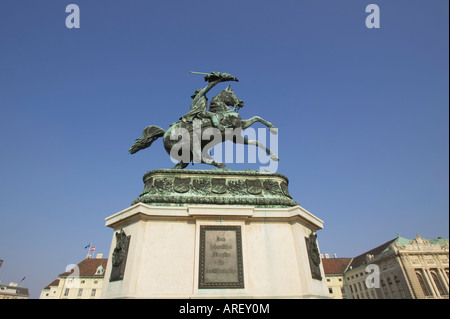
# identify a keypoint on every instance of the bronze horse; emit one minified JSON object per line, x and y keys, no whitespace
{"x":231,"y":126}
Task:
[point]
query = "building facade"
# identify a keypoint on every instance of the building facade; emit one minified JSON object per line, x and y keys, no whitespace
{"x":84,"y":281}
{"x":13,"y":291}
{"x":399,"y":269}
{"x":334,"y":269}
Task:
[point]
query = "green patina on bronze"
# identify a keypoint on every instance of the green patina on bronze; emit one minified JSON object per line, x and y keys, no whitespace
{"x":173,"y":187}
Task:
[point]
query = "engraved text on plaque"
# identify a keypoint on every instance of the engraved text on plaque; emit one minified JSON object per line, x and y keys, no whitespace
{"x":221,"y":257}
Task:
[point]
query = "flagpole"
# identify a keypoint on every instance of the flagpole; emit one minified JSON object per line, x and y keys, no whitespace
{"x":88,"y":247}
{"x":92,"y":248}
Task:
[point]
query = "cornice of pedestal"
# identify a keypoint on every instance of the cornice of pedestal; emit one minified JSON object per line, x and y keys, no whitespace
{"x":142,"y":211}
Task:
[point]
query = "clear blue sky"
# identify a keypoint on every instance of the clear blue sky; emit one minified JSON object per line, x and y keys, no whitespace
{"x":363,"y":114}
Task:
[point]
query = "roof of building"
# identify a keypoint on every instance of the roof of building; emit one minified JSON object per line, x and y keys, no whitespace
{"x":439,"y":241}
{"x":400,"y":241}
{"x":433,"y":241}
{"x":54,"y":283}
{"x":335,"y":266}
{"x":88,"y":268}
{"x":361,"y":259}
{"x":18,"y":291}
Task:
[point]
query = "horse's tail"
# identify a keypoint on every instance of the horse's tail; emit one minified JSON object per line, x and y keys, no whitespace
{"x":149,"y":135}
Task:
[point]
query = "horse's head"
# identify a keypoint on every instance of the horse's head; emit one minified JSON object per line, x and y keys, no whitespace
{"x":228,"y":97}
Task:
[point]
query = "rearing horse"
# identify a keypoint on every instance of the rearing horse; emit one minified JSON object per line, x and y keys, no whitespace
{"x":175,"y":138}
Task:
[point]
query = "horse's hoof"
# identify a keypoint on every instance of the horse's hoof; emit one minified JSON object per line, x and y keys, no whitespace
{"x":274,"y":158}
{"x":274,"y":130}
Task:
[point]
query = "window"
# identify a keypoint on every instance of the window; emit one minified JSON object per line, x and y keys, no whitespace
{"x":66,"y":292}
{"x":330,"y":290}
{"x":328,"y":279}
{"x":360,"y":288}
{"x":83,"y":281}
{"x":400,"y":287}
{"x":386,"y":294}
{"x":95,"y":282}
{"x":93,"y":292}
{"x":100,"y":270}
{"x":423,"y":284}
{"x":437,"y":283}
{"x":391,"y":287}
{"x":80,"y":292}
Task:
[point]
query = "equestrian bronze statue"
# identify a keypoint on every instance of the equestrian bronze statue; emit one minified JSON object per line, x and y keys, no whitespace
{"x":195,"y":133}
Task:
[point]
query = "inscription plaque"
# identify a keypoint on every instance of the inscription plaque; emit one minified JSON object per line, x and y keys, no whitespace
{"x":221,"y":257}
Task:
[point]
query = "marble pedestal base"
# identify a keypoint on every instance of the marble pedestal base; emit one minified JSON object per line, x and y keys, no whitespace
{"x":164,"y":253}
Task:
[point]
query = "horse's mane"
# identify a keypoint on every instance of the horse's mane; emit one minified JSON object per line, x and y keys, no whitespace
{"x":217,"y":103}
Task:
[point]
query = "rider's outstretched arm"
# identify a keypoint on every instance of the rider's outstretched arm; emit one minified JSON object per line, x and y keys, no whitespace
{"x":204,"y":91}
{"x":213,"y":78}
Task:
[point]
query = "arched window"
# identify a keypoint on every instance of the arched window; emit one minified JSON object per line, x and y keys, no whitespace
{"x":438,"y":283}
{"x":423,"y":284}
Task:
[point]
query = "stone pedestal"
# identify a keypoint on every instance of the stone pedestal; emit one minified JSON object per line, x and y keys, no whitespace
{"x":214,"y":234}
